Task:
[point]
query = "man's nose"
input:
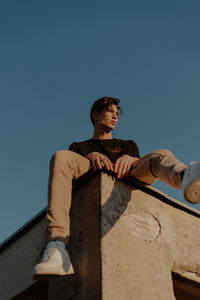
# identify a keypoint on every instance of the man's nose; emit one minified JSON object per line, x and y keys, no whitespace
{"x":115,"y":116}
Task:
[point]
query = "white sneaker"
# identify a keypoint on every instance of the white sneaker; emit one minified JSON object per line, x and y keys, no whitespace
{"x":55,"y":262}
{"x":191,"y":182}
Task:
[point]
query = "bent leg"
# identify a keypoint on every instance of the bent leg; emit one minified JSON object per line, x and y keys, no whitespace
{"x":64,"y":167}
{"x":160,"y":164}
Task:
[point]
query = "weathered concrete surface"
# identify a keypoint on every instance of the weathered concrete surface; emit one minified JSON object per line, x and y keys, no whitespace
{"x":126,"y":240}
{"x":143,"y":241}
{"x":18,"y":258}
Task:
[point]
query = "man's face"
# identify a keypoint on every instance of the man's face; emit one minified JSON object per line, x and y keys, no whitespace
{"x":107,"y":118}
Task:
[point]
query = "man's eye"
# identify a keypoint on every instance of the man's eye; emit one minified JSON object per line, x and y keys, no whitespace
{"x":112,"y":111}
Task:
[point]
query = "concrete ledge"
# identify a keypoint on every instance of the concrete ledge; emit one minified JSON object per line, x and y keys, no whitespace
{"x":127,"y":240}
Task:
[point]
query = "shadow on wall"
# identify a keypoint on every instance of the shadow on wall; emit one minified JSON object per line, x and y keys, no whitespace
{"x":113,"y":209}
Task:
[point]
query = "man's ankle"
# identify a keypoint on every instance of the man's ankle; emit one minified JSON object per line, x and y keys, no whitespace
{"x":57,"y":242}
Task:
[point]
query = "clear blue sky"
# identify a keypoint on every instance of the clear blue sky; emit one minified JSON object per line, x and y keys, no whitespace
{"x":57,"y":57}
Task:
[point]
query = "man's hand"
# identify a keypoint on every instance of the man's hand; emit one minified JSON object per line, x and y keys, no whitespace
{"x":98,"y":159}
{"x":123,"y":165}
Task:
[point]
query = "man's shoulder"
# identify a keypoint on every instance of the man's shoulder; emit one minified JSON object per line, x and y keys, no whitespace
{"x":81,"y":142}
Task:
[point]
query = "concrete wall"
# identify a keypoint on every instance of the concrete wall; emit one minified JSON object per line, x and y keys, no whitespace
{"x":143,"y":241}
{"x":127,"y":242}
{"x":17,"y":258}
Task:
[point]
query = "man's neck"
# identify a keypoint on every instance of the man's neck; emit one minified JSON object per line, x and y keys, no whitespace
{"x":102,"y":135}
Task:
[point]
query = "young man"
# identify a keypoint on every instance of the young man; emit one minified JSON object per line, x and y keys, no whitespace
{"x":119,"y":156}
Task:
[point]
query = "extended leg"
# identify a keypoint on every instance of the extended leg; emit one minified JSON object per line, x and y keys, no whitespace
{"x":160,"y":164}
{"x":163,"y":165}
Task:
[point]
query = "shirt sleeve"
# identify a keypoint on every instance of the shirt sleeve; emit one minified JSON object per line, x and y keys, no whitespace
{"x":75,"y":148}
{"x":133,"y":149}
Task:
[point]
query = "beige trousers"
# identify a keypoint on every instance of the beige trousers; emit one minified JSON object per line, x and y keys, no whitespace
{"x":66,"y":166}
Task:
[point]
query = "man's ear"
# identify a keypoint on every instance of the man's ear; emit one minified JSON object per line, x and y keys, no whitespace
{"x":95,"y":115}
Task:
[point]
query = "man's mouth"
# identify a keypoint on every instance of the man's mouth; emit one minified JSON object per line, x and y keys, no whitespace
{"x":113,"y":122}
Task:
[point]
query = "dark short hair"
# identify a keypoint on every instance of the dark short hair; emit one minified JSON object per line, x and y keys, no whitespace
{"x":103,"y":104}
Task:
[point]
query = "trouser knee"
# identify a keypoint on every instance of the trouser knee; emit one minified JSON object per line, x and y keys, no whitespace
{"x":163,"y":153}
{"x":60,"y":157}
{"x":63,"y":155}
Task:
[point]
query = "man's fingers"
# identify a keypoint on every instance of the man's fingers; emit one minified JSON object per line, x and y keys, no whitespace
{"x":124,"y":169}
{"x":127,"y":169}
{"x":123,"y":165}
{"x":94,"y":164}
{"x":111,"y":165}
{"x":98,"y":163}
{"x":107,"y":163}
{"x":99,"y":160}
{"x":116,"y":166}
{"x":120,"y":169}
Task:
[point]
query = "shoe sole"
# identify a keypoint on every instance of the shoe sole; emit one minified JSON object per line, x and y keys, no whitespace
{"x":192,"y":192}
{"x":51,"y":274}
{"x":48,"y":276}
